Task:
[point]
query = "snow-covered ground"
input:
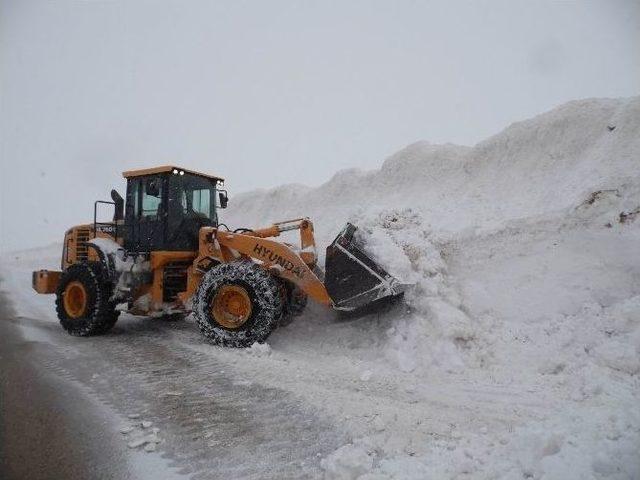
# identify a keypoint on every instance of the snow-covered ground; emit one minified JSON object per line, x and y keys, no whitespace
{"x":517,"y":352}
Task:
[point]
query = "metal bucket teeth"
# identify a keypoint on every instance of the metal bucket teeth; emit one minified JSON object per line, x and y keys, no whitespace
{"x":352,"y":279}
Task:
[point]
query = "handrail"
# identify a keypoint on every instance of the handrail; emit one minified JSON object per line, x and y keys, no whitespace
{"x":95,"y":216}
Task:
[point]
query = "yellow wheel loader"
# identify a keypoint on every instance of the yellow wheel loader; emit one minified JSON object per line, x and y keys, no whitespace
{"x":165,"y":253}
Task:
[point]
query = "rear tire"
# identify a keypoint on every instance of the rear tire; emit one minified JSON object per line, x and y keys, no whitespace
{"x":237,"y":304}
{"x":83,"y":302}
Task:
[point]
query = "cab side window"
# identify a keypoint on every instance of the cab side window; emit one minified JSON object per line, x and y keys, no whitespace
{"x":200,"y":202}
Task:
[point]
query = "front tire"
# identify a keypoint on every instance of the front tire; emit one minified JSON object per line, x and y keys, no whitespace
{"x":83,"y":301}
{"x":237,"y":304}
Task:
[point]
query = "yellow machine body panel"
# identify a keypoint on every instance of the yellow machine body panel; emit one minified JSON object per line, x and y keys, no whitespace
{"x":159,"y":260}
{"x":294,"y":264}
{"x":75,"y":248}
{"x":280,"y":259}
{"x":45,"y":281}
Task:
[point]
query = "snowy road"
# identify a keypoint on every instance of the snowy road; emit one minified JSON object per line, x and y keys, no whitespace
{"x":48,"y":429}
{"x":210,"y":425}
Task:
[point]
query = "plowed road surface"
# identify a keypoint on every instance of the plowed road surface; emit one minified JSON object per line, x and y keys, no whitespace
{"x":64,"y":400}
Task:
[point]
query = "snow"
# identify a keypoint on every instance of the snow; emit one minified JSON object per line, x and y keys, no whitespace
{"x":533,"y":167}
{"x":138,"y":435}
{"x":526,"y":277}
{"x":128,"y":268}
{"x":172,"y":394}
{"x":347,"y":463}
{"x":138,"y":442}
{"x":15,"y":274}
{"x":150,"y":447}
{"x":259,"y":349}
{"x":516,"y":353}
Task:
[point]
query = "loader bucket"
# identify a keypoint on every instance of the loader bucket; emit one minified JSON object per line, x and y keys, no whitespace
{"x":352,"y":279}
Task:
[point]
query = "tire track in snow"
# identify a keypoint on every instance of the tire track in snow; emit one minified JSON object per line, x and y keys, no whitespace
{"x":212,"y":425}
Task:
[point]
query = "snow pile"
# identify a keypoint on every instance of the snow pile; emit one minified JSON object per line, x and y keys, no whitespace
{"x":426,"y":197}
{"x":397,"y":240}
{"x":538,"y":166}
{"x":140,"y":434}
{"x":259,"y":349}
{"x":347,"y":463}
{"x":523,"y":252}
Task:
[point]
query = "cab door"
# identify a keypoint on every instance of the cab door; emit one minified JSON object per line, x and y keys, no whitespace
{"x":146,"y":217}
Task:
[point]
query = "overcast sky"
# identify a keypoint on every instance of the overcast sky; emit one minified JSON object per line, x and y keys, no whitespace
{"x":271,"y":92}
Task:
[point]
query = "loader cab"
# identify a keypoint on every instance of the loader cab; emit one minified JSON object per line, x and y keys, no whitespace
{"x":167,"y":206}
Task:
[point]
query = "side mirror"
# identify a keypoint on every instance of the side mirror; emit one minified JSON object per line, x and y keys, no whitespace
{"x":118,"y":214}
{"x":152,"y":187}
{"x":224,"y":199}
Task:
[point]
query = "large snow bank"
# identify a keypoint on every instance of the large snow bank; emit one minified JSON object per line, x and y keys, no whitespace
{"x":578,"y":161}
{"x":525,"y":255}
{"x":542,"y":165}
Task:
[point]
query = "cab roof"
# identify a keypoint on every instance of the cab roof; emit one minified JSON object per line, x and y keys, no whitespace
{"x":166,"y":169}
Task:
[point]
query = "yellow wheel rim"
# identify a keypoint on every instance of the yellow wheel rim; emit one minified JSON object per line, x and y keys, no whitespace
{"x":75,"y":300}
{"x":231,"y":306}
